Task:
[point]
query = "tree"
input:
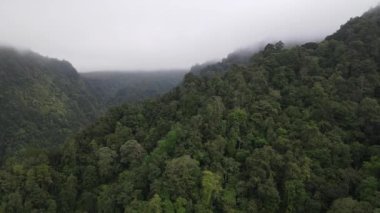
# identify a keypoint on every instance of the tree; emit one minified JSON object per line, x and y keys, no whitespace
{"x":15,"y":203}
{"x":132,"y":153}
{"x":368,"y":190}
{"x":181,"y":177}
{"x":154,"y":205}
{"x":295,"y":196}
{"x":269,"y":196}
{"x":211,"y":186}
{"x":69,"y":194}
{"x":105,"y":200}
{"x":180,"y":205}
{"x":348,"y":205}
{"x":106,"y":162}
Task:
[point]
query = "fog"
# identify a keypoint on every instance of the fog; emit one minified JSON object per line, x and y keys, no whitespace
{"x":164,"y":34}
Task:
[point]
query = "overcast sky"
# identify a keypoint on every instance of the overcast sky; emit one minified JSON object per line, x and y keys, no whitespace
{"x":160,"y":34}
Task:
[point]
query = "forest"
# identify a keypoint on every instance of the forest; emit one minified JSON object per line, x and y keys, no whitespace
{"x":45,"y":100}
{"x":292,"y":129}
{"x":42,"y":101}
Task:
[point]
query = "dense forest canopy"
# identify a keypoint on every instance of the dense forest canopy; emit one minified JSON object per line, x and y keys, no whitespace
{"x":291,"y":130}
{"x":44,"y":100}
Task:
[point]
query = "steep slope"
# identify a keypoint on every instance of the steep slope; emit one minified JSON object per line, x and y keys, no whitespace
{"x":291,"y":130}
{"x":42,"y":100}
{"x":114,"y":88}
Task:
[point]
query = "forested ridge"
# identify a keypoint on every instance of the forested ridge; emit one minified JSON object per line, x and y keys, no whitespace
{"x":45,"y":100}
{"x":291,"y":130}
{"x":42,"y":100}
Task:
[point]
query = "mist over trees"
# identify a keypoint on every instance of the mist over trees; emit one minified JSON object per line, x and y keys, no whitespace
{"x":42,"y":100}
{"x":287,"y":130}
{"x":116,"y":87}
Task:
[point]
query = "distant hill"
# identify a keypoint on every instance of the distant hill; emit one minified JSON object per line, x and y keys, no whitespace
{"x":116,"y":87}
{"x":42,"y":100}
{"x":213,"y":68}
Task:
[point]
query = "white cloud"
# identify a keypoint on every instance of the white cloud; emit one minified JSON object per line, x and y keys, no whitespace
{"x":156,"y":34}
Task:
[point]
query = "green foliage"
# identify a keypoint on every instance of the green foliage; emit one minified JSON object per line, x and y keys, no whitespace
{"x":132,"y":153}
{"x":181,"y":178}
{"x":42,"y":100}
{"x":106,"y":162}
{"x":348,"y":205}
{"x":154,"y":205}
{"x":211,"y":186}
{"x":287,"y":130}
{"x":45,"y":100}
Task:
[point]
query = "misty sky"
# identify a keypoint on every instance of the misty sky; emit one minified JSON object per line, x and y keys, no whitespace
{"x":161,"y":34}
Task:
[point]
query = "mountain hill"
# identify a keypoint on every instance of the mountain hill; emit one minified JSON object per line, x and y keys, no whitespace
{"x":42,"y":100}
{"x":291,"y":130}
{"x":116,"y":87}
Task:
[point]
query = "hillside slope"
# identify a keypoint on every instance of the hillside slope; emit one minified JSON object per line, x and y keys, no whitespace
{"x":42,"y":100}
{"x":292,"y":130}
